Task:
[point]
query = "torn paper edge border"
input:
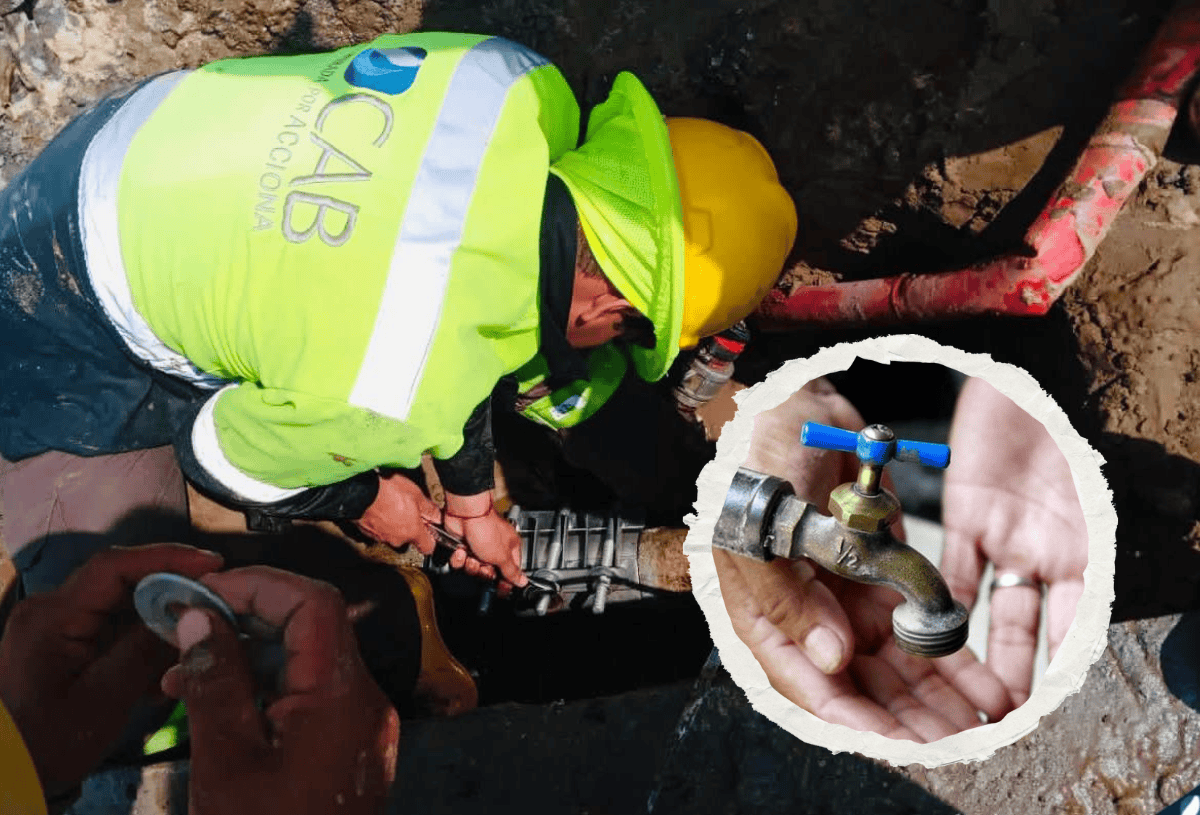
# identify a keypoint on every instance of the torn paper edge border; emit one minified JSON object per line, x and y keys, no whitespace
{"x":1085,"y":640}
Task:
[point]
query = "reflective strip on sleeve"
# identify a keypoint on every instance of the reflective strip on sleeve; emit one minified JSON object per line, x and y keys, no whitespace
{"x":207,"y":449}
{"x":99,"y":180}
{"x":433,"y":224}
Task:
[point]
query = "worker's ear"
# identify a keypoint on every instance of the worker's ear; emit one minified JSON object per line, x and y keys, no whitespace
{"x":603,"y":308}
{"x":596,"y":311}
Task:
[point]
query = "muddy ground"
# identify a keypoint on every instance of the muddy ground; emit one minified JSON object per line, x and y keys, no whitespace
{"x":914,"y":136}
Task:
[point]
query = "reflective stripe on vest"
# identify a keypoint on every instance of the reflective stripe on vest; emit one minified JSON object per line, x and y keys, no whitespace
{"x":432,"y":228}
{"x":98,"y":182}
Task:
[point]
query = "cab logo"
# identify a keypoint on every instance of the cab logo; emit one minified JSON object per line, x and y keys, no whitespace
{"x":389,"y":71}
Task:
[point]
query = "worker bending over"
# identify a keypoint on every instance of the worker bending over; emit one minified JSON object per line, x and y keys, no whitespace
{"x":302,"y":272}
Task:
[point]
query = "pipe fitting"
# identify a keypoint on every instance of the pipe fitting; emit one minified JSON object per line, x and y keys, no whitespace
{"x":929,"y":623}
{"x":762,"y":518}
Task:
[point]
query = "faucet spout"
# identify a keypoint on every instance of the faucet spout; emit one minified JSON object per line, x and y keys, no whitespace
{"x":930,"y":622}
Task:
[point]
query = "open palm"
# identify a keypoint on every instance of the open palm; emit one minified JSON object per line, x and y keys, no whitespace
{"x":1010,"y":500}
{"x":826,"y":643}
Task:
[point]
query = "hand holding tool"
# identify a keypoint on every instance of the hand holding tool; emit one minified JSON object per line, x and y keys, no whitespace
{"x":531,"y":592}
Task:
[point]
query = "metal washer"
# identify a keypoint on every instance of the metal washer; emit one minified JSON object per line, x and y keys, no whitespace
{"x":158,"y":595}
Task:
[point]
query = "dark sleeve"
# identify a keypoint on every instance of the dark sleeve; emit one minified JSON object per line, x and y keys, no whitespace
{"x":345,"y":500}
{"x":472,"y":469}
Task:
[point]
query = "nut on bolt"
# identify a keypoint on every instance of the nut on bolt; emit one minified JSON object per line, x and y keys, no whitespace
{"x":869,"y":514}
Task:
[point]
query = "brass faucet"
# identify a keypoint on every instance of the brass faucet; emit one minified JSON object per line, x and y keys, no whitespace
{"x":762,"y":519}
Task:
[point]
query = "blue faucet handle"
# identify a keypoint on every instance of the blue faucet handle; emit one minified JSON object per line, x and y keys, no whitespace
{"x":828,"y":438}
{"x":871,"y":449}
{"x":923,"y":452}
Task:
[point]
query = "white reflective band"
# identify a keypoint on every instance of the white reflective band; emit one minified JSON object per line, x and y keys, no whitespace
{"x":207,"y":449}
{"x":99,"y":180}
{"x":433,"y":224}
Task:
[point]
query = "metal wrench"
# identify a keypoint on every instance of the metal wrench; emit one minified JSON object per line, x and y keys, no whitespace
{"x":531,"y":592}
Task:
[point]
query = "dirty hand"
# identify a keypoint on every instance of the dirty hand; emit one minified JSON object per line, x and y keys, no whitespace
{"x":74,"y":661}
{"x":825,"y":643}
{"x":1009,"y":499}
{"x":399,"y":513}
{"x":492,"y":539}
{"x":326,"y":743}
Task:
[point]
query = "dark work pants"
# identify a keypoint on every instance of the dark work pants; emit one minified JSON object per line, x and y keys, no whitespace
{"x":57,"y":509}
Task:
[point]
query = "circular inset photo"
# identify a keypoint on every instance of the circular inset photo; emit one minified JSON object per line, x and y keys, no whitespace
{"x":904,"y":550}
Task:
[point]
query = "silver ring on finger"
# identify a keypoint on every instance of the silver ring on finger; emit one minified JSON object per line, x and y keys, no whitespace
{"x":1008,"y":580}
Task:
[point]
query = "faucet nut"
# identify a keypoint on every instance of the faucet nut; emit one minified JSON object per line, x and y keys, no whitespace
{"x":744,"y":525}
{"x":865,"y":513}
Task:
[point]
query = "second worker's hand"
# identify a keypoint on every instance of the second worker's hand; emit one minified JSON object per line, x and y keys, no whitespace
{"x":1010,"y":500}
{"x":326,"y":742}
{"x":75,"y":661}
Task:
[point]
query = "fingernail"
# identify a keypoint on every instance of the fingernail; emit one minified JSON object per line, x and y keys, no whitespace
{"x":192,"y":627}
{"x":824,"y":648}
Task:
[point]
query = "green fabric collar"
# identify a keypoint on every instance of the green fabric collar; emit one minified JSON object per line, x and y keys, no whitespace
{"x":623,"y":181}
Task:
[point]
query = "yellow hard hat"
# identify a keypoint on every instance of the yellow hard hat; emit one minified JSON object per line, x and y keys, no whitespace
{"x":686,"y":217}
{"x":739,"y":224}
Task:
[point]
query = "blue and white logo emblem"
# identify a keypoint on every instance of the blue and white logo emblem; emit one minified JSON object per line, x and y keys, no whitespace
{"x":386,"y":70}
{"x":564,"y":408}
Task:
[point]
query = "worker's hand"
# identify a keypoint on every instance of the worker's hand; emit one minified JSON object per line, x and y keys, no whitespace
{"x":400,"y":514}
{"x":74,"y":661}
{"x":876,"y":687}
{"x":493,"y":540}
{"x":326,"y":743}
{"x":812,"y":618}
{"x":825,"y":643}
{"x":1009,"y":499}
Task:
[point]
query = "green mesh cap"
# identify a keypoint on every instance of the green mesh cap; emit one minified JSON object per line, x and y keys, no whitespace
{"x":622,"y":179}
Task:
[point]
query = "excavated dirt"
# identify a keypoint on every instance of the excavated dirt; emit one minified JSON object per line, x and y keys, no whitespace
{"x":915,"y":136}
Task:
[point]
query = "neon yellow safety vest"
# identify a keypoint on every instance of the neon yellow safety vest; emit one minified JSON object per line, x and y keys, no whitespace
{"x":573,"y":402}
{"x":352,"y":236}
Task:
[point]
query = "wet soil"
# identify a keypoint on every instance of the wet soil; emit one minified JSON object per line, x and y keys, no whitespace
{"x":914,"y":136}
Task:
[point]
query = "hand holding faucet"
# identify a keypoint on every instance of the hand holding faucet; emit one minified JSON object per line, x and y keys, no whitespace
{"x":826,"y":642}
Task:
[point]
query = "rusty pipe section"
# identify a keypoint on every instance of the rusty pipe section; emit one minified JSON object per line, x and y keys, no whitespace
{"x":762,"y":518}
{"x":661,"y":563}
{"x":1064,"y":236}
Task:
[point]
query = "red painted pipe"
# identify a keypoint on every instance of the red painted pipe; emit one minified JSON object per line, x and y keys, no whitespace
{"x":1064,"y":236}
